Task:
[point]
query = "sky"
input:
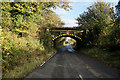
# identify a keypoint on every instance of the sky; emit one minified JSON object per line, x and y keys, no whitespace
{"x":78,"y":7}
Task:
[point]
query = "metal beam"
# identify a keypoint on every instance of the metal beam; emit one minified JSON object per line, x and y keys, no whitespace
{"x":65,"y":31}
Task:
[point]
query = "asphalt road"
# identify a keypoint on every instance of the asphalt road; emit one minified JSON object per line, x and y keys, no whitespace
{"x":73,"y":65}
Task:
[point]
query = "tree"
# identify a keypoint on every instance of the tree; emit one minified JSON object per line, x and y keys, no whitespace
{"x":22,"y":17}
{"x":98,"y":21}
{"x":118,"y":9}
{"x":53,"y":20}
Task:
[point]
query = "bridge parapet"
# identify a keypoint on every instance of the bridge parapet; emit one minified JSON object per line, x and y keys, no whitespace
{"x":55,"y":31}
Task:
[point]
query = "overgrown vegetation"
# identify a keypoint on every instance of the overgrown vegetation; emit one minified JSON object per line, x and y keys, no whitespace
{"x":25,"y":41}
{"x":102,"y":32}
{"x":72,"y":42}
{"x":111,"y":59}
{"x":59,"y":42}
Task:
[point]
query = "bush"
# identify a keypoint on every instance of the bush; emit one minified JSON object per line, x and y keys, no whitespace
{"x":16,"y":51}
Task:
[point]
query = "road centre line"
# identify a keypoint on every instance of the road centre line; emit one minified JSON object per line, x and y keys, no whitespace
{"x":81,"y":77}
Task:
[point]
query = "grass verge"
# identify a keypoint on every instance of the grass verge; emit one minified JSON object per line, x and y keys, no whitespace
{"x":111,"y":59}
{"x":22,"y":71}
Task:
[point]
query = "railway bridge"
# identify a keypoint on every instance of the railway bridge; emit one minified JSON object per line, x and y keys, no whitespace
{"x":73,"y":32}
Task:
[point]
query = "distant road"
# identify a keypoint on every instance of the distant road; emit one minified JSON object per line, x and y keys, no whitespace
{"x":73,"y":65}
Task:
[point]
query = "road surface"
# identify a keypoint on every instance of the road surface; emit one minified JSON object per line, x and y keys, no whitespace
{"x":73,"y":65}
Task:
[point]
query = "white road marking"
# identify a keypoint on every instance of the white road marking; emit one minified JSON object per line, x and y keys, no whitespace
{"x":42,"y":64}
{"x":81,"y":77}
{"x":47,"y":60}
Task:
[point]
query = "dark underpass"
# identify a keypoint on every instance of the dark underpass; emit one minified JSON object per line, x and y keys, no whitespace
{"x":78,"y":40}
